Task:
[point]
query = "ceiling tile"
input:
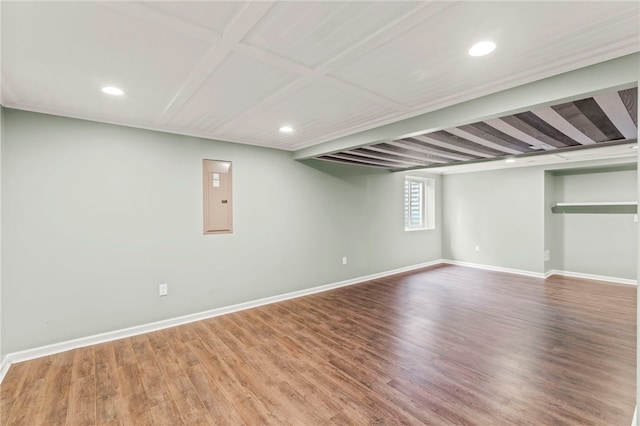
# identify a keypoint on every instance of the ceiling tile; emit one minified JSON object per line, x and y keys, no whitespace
{"x":311,"y":33}
{"x":233,"y":87}
{"x":97,"y":47}
{"x":237,"y":70}
{"x":313,"y":112}
{"x":428,"y":66}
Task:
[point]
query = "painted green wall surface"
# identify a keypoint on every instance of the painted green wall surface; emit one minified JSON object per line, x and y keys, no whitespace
{"x":598,"y":244}
{"x":1,"y":312}
{"x":97,"y":216}
{"x":507,"y":213}
{"x":551,"y":223}
{"x":500,"y":212}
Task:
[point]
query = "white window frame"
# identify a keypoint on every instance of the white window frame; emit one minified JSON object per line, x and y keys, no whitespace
{"x":427,"y":203}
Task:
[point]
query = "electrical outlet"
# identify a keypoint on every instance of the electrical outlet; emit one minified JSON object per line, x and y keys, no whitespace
{"x":547,"y":255}
{"x":163,"y":289}
{"x":344,"y":260}
{"x":477,"y":248}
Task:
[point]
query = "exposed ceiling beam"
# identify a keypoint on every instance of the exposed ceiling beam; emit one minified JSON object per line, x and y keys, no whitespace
{"x":481,"y":141}
{"x":556,"y":120}
{"x":335,"y":160}
{"x":444,"y":144}
{"x":393,"y":157}
{"x":614,"y":108}
{"x":428,"y":150}
{"x":406,"y":152}
{"x":505,"y":127}
{"x":619,"y":73}
{"x":362,"y":160}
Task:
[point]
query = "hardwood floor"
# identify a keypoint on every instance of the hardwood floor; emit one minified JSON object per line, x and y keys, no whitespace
{"x":445,"y":345}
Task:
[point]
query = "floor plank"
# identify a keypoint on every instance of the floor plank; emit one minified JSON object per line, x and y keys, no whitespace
{"x":446,"y":345}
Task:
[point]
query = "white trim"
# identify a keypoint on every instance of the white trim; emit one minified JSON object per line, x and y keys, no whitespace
{"x":55,"y":348}
{"x":495,"y":268}
{"x":591,"y":277}
{"x":543,"y":275}
{"x":4,"y":367}
{"x":634,"y":421}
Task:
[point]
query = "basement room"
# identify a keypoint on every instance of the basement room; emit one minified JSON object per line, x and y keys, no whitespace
{"x":319,"y":212}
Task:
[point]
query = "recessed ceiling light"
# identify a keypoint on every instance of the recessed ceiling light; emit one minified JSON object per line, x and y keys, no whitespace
{"x":482,"y":48}
{"x":510,"y":160}
{"x":634,"y":147}
{"x":111,"y":90}
{"x":286,"y":129}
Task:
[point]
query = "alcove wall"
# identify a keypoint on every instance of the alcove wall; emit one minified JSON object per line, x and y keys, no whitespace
{"x":590,"y":226}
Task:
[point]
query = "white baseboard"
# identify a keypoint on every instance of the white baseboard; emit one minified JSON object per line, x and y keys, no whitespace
{"x":494,"y":268}
{"x":591,"y":277}
{"x":4,"y":367}
{"x":543,"y":275}
{"x":55,"y":348}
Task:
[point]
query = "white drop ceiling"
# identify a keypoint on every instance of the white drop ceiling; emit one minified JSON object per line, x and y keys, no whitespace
{"x":237,"y":71}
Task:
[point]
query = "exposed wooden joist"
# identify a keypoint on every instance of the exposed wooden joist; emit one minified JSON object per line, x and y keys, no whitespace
{"x":423,"y":147}
{"x":484,"y":131}
{"x":369,"y":154}
{"x":406,"y":153}
{"x":529,"y":123}
{"x":361,"y":160}
{"x":457,"y":131}
{"x":433,"y":141}
{"x":592,"y":110}
{"x":619,"y":73}
{"x":460,"y":142}
{"x":616,"y":111}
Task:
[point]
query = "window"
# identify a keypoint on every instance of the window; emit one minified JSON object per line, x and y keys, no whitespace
{"x":419,"y":202}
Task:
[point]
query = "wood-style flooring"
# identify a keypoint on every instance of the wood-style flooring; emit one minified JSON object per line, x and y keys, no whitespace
{"x":446,"y":345}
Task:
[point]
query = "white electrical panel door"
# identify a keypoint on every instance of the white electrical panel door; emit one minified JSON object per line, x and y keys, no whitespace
{"x":217,"y":197}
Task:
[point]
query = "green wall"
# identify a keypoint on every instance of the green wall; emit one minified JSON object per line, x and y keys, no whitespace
{"x":508,"y":214}
{"x":498,"y":210}
{"x":592,"y":243}
{"x":97,"y":216}
{"x":1,"y":300}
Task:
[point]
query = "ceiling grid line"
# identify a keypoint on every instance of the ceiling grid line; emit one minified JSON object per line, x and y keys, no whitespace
{"x":398,"y":25}
{"x":215,"y":56}
{"x":164,"y":19}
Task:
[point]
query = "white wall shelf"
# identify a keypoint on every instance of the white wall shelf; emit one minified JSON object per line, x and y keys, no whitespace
{"x":620,"y":207}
